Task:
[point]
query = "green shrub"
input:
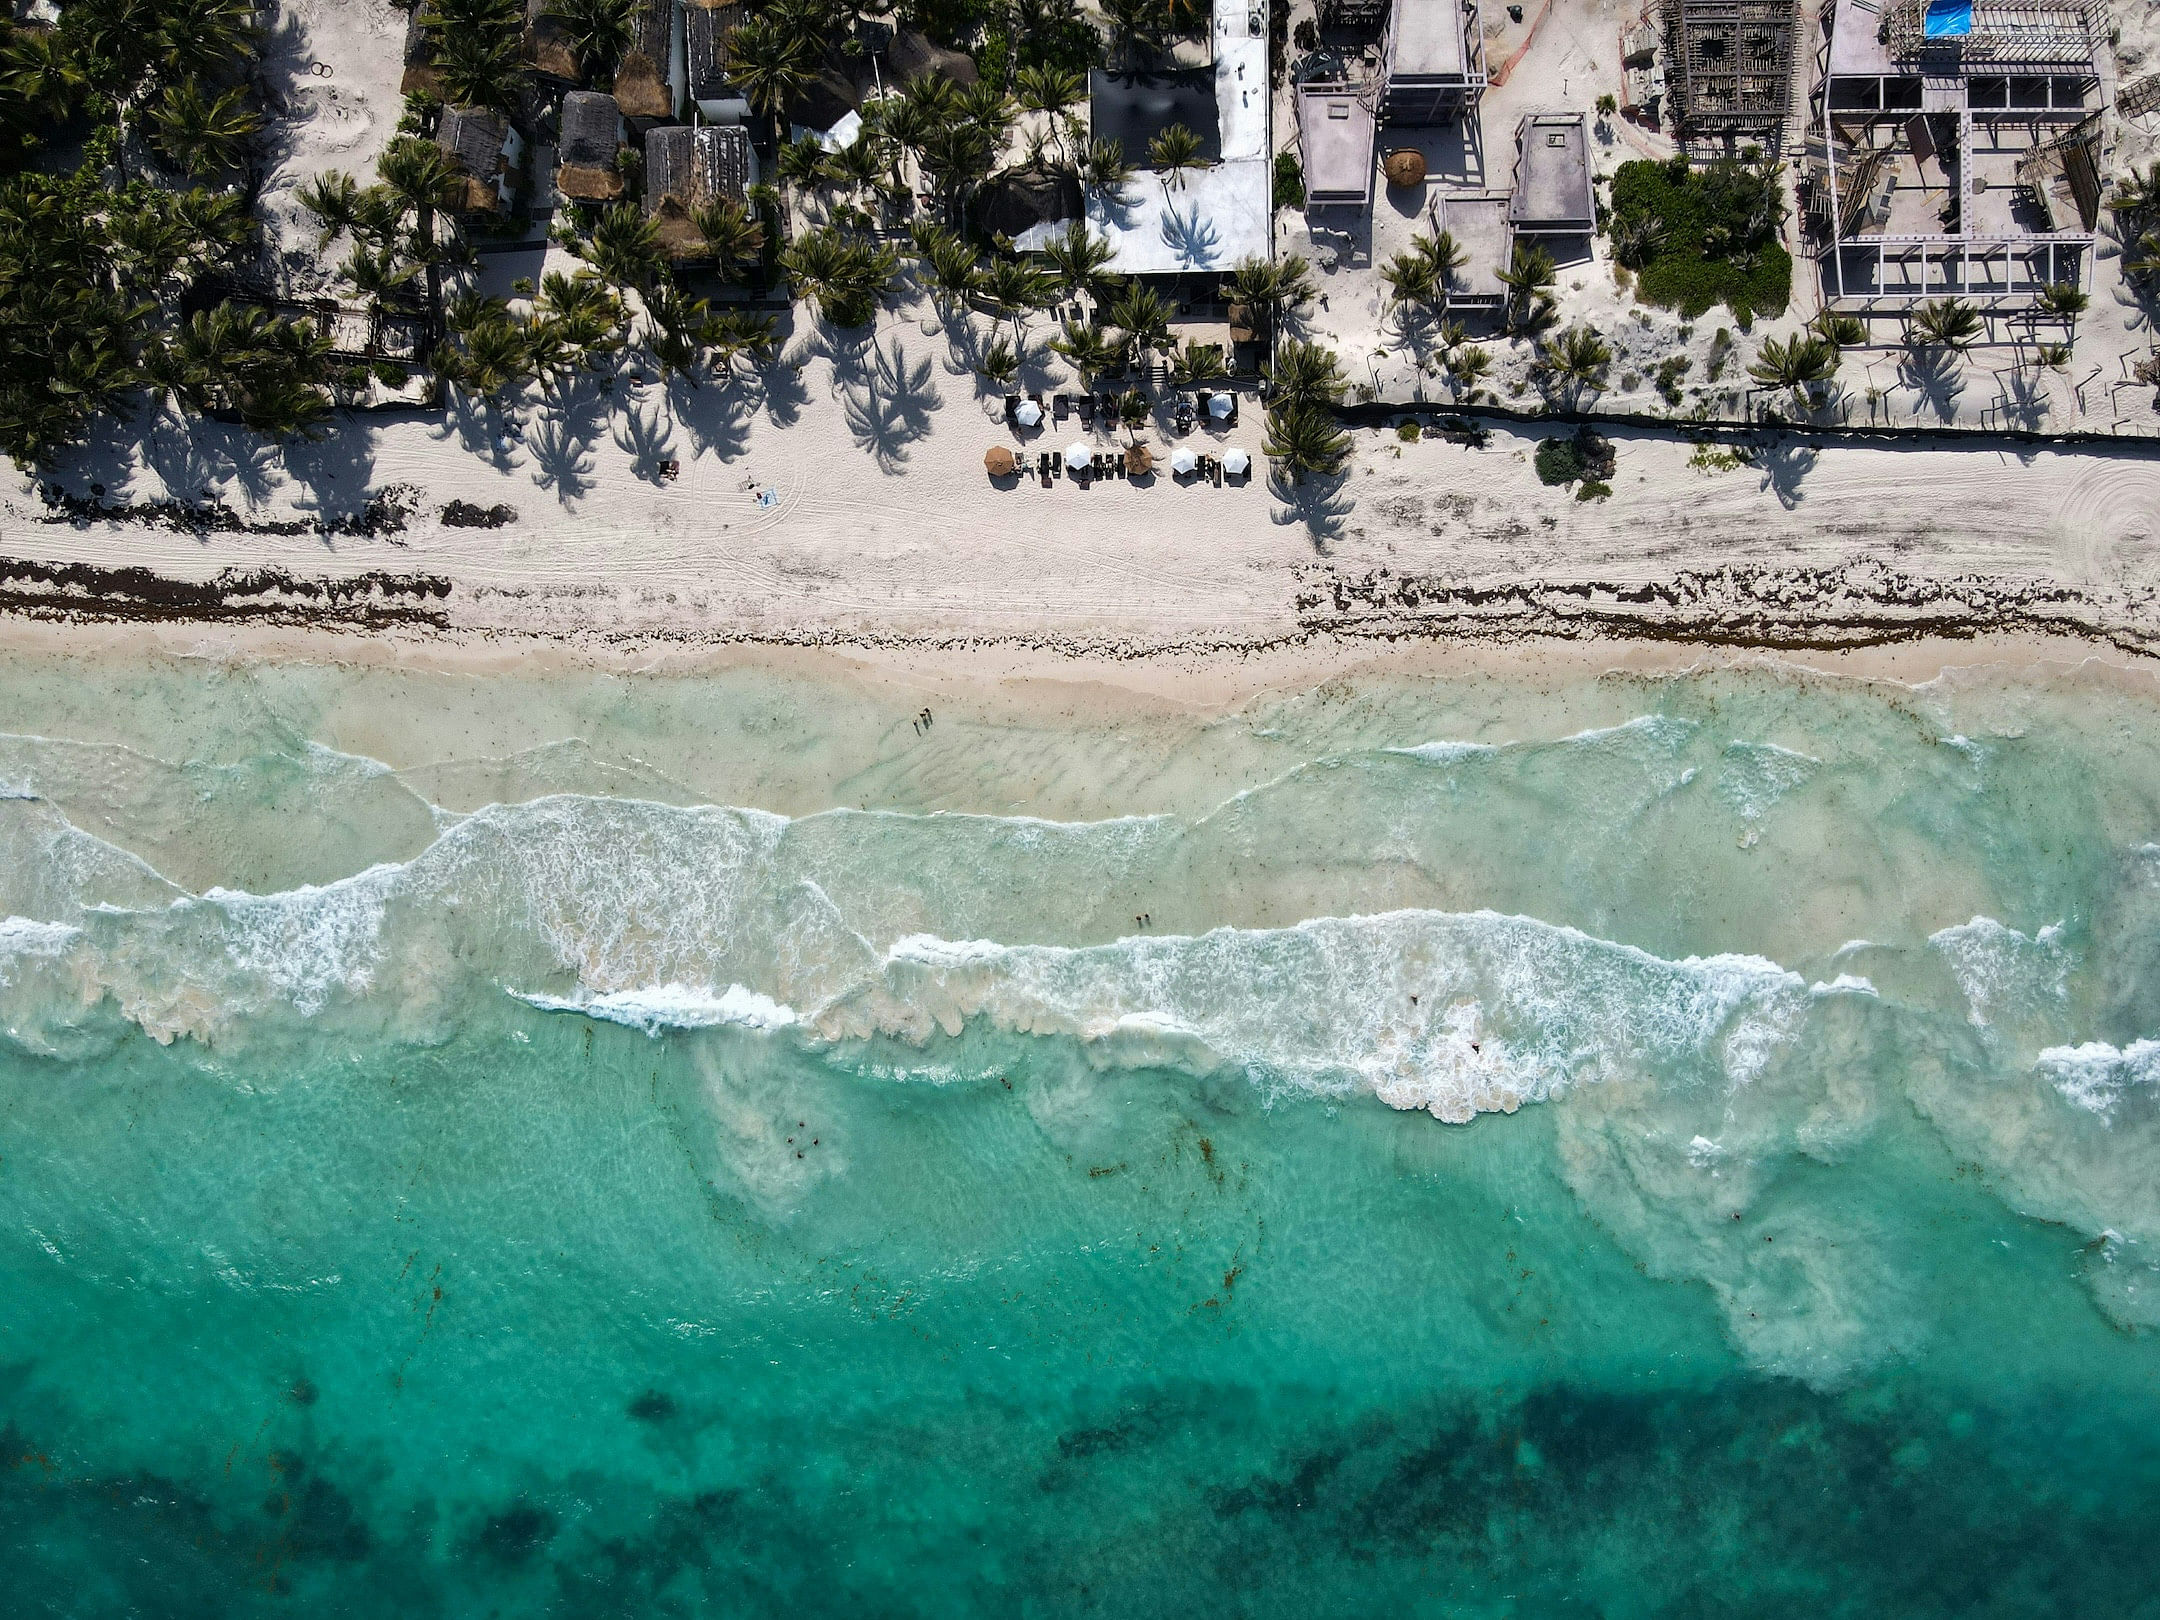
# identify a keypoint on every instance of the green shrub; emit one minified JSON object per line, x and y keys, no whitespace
{"x":1712,"y":236}
{"x":1558,"y":461}
{"x":1593,"y":489}
{"x":1289,"y":181}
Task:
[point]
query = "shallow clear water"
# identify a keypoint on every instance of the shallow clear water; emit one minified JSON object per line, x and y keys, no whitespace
{"x":712,"y":1146}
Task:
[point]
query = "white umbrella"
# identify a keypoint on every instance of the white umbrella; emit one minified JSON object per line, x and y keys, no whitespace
{"x":1078,"y":455}
{"x":1183,"y":461}
{"x":1027,"y":413}
{"x":1235,"y":461}
{"x":1218,"y":406}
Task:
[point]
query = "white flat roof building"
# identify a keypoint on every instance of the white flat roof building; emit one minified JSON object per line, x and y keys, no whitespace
{"x":1211,"y":218}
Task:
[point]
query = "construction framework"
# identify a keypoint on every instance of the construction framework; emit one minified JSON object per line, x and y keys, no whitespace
{"x":1730,"y":65}
{"x":1958,"y":151}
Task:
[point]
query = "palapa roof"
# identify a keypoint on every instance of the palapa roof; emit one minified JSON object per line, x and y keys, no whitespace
{"x":547,"y":46}
{"x":684,"y":170}
{"x":472,"y":139}
{"x":1015,"y":200}
{"x":706,"y":26}
{"x":641,"y":77}
{"x":420,"y":71}
{"x":591,"y":137}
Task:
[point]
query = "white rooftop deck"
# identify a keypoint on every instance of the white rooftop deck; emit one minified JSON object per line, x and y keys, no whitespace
{"x":1429,"y":40}
{"x":1216,"y":216}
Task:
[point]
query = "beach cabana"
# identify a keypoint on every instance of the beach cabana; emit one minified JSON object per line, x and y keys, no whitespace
{"x":685,"y":170}
{"x":586,"y":167}
{"x":649,"y":78}
{"x":484,"y":152}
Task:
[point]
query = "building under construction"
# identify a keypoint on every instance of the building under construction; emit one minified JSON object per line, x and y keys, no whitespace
{"x":1958,"y":150}
{"x":1729,"y":65}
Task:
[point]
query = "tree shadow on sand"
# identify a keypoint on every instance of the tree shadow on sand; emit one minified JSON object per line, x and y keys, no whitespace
{"x":644,"y":430}
{"x":1937,"y":376}
{"x":887,"y":397}
{"x":562,"y":437}
{"x":1318,"y":505}
{"x":716,"y":416}
{"x":1784,"y":466}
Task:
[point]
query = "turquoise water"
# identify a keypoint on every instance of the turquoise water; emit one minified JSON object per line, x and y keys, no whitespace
{"x":1626,"y":1146}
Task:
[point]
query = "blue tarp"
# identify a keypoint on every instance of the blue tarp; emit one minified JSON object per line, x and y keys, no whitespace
{"x":1948,"y":19}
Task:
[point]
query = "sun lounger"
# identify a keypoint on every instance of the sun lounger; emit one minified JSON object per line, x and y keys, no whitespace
{"x":1087,"y":410}
{"x":1012,"y":404}
{"x":1060,"y":407}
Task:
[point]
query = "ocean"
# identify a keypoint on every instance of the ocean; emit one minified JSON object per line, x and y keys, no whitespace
{"x":786,"y":1141}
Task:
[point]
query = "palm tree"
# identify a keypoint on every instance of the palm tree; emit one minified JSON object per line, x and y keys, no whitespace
{"x":2066,"y":300}
{"x":377,"y":276}
{"x":204,"y":38}
{"x":986,"y":105}
{"x":1137,"y":27}
{"x":1525,"y":276}
{"x":999,"y":365}
{"x":201,"y":132}
{"x":1172,"y":152}
{"x":481,"y":70}
{"x":732,"y":234}
{"x":1305,"y":440}
{"x":1080,"y":260}
{"x":844,"y":276}
{"x":1198,"y":363}
{"x":625,"y":248}
{"x":1090,"y":351}
{"x":1844,"y":331}
{"x":1043,"y":88}
{"x":1801,"y":364}
{"x":1014,"y":290}
{"x":1576,"y":360}
{"x":42,"y":75}
{"x":1305,"y":375}
{"x":772,"y":61}
{"x":2137,"y":192}
{"x":1144,"y":317}
{"x":1271,"y":289}
{"x":802,"y":164}
{"x":598,"y":32}
{"x":1943,"y":323}
{"x":333,"y":197}
{"x":949,"y":266}
{"x":1105,"y":167}
{"x":1467,"y":367}
{"x":857,"y":166}
{"x":1412,"y":280}
{"x":582,"y":316}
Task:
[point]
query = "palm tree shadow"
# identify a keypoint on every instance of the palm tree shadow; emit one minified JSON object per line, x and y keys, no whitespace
{"x":1785,"y":465}
{"x":476,"y":422}
{"x":1319,"y":504}
{"x":1934,"y":374}
{"x":1194,"y":240}
{"x":645,"y":431}
{"x":717,"y":419}
{"x":561,"y":441}
{"x":334,"y":471}
{"x":2024,"y":400}
{"x":888,"y":400}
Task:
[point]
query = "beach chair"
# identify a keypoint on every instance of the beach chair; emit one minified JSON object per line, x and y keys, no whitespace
{"x":1012,"y":404}
{"x":1060,"y":407}
{"x":1087,"y":410}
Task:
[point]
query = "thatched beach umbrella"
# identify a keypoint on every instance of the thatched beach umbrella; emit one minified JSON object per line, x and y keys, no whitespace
{"x":1404,"y":167}
{"x":998,"y":461}
{"x":1139,"y":459}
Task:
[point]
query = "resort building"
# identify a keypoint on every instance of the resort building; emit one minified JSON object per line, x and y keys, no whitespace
{"x":547,"y":43}
{"x":1731,"y":66}
{"x":1207,"y":218}
{"x":1959,"y":150}
{"x":484,"y":151}
{"x":706,"y":26}
{"x":649,"y":80}
{"x":1337,"y":131}
{"x":687,"y":169}
{"x":1478,"y":221}
{"x":587,"y":160}
{"x":1552,"y":177}
{"x":1433,"y":61}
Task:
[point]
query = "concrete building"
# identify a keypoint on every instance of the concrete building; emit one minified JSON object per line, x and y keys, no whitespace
{"x":1337,"y":131}
{"x":1958,"y":150}
{"x":1478,"y":221}
{"x":1433,"y":61}
{"x":1208,"y":219}
{"x":1552,"y":195}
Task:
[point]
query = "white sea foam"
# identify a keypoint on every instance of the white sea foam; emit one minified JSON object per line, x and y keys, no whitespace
{"x":1449,"y":753}
{"x":2097,"y":1076}
{"x":1753,"y":777}
{"x":2007,"y":976}
{"x":672,"y":1006}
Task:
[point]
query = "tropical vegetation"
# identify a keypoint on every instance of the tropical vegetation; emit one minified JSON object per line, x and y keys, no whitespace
{"x":1696,"y":237}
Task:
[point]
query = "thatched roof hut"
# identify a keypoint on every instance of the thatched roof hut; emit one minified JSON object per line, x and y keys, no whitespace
{"x":684,"y":170}
{"x":706,"y":26}
{"x":420,"y":73}
{"x":592,"y":135}
{"x":474,"y":144}
{"x":547,"y":45}
{"x":642,"y":89}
